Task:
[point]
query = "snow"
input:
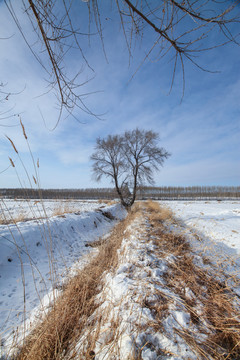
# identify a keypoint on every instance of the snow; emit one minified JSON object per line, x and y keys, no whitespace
{"x":213,"y":229}
{"x":32,"y":209}
{"x":36,"y":256}
{"x":136,"y":278}
{"x":134,"y":289}
{"x":216,"y":220}
{"x":137,"y":286}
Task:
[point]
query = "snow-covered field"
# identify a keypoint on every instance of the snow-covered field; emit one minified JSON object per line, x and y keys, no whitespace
{"x":36,"y":256}
{"x":212,"y":228}
{"x":137,"y":292}
{"x":32,"y":209}
{"x":218,"y":221}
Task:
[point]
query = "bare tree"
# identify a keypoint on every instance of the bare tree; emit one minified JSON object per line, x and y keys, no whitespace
{"x":175,"y":28}
{"x":129,"y":160}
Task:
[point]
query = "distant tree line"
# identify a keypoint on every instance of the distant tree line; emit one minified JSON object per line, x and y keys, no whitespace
{"x":190,"y":192}
{"x":156,"y":193}
{"x":91,"y":193}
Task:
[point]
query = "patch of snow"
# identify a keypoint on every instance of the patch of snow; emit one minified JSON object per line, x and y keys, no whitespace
{"x":32,"y":209}
{"x":213,"y":230}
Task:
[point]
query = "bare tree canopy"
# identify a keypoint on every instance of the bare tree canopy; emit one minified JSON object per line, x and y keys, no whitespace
{"x":129,"y":160}
{"x":178,"y":29}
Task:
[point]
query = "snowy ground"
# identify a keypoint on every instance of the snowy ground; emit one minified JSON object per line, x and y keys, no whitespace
{"x":37,"y":255}
{"x":215,"y":220}
{"x":136,"y":293}
{"x":128,"y":319}
{"x":136,"y":287}
{"x":213,"y":229}
{"x":32,"y":209}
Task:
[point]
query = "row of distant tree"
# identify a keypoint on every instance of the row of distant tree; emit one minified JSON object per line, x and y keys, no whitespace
{"x":158,"y":193}
{"x":191,"y":192}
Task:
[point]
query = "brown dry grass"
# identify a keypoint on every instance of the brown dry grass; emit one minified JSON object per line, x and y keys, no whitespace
{"x":218,"y":301}
{"x":70,"y":313}
{"x":158,"y":213}
{"x":64,"y":207}
{"x":107,"y":202}
{"x":6,"y":219}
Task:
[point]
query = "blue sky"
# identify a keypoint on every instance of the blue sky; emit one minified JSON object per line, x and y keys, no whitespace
{"x":201,"y":132}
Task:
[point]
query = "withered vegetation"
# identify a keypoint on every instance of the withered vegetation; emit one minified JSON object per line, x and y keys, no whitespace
{"x":52,"y":338}
{"x":210,"y":302}
{"x":213,"y":304}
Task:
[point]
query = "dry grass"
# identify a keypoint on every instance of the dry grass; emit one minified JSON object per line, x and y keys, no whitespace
{"x":62,"y":208}
{"x":107,"y":202}
{"x":218,"y":301}
{"x":90,"y":343}
{"x":158,"y":213}
{"x":19,"y":217}
{"x":6,"y":220}
{"x":87,"y":349}
{"x":70,"y":313}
